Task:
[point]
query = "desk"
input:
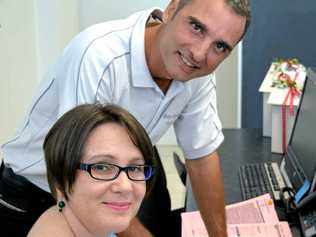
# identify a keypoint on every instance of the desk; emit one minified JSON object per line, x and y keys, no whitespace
{"x":241,"y":146}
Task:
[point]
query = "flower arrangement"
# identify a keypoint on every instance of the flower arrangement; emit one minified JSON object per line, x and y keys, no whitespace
{"x":285,"y":72}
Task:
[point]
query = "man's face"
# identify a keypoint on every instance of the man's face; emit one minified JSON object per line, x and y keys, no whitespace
{"x":198,"y":38}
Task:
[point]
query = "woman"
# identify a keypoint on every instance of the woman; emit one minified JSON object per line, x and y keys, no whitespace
{"x":99,"y":164}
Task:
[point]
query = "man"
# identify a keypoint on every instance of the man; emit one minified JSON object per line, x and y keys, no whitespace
{"x":156,"y":65}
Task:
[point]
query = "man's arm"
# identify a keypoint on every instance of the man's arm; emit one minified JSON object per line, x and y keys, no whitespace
{"x":207,"y":186}
{"x":135,"y":229}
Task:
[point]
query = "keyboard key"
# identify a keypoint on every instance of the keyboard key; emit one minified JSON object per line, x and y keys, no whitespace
{"x":257,"y":179}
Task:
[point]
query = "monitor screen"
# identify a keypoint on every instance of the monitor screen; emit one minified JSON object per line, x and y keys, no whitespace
{"x":302,"y":146}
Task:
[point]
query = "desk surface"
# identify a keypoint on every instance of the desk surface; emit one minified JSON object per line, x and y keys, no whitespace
{"x":241,"y":146}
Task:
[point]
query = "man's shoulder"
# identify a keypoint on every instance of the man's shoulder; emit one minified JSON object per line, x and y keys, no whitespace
{"x":112,"y":36}
{"x":109,"y":39}
{"x":114,"y":30}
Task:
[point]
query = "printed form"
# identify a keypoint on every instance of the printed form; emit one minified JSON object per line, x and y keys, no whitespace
{"x":251,"y":218}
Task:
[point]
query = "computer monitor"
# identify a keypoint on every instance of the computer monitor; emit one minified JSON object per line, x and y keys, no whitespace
{"x":299,"y":161}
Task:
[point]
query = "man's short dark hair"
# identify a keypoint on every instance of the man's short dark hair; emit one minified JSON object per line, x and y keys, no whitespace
{"x":64,"y":143}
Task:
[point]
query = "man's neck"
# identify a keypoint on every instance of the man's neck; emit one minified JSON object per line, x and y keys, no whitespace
{"x":153,"y":57}
{"x":163,"y":84}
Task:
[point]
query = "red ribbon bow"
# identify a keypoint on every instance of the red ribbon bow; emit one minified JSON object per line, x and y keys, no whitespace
{"x":292,"y":92}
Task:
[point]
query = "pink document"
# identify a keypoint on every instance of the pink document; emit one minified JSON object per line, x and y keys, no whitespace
{"x":256,"y":210}
{"x":252,"y":218}
{"x":280,"y":229}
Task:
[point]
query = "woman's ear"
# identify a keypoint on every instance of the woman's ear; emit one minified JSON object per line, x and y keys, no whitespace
{"x":59,"y":194}
{"x":170,"y":10}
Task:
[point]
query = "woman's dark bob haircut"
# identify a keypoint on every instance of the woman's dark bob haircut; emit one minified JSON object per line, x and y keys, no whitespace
{"x":64,"y":143}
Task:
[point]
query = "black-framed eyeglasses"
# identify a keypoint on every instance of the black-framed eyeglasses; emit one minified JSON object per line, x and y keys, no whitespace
{"x":107,"y":172}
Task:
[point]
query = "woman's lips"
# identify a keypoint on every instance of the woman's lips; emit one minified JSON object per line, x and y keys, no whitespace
{"x":118,"y":206}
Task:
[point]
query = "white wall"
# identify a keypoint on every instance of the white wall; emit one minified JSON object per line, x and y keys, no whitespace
{"x":32,"y":34}
{"x":18,"y":64}
{"x":95,"y":11}
{"x":227,"y":93}
{"x":57,"y":22}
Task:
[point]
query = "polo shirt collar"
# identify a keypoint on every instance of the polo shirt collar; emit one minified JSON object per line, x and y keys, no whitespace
{"x":141,"y":76}
{"x":140,"y":71}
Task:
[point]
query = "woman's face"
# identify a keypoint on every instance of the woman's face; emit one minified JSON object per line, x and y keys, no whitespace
{"x":107,"y":206}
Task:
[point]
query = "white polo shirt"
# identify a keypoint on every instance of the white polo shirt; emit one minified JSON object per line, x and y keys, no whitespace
{"x":106,"y":64}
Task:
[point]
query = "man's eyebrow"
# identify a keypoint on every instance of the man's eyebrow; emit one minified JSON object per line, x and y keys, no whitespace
{"x":198,"y":22}
{"x":205,"y":29}
{"x":227,"y":45}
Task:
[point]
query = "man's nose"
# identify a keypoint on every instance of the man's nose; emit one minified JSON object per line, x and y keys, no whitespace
{"x":201,"y":51}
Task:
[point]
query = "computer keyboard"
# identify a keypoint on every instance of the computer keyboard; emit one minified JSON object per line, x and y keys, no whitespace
{"x":308,"y":221}
{"x":260,"y":178}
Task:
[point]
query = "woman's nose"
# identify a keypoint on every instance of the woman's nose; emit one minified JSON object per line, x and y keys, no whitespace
{"x":122,"y":182}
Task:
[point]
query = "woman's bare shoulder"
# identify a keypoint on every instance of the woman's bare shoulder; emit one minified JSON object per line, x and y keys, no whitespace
{"x":50,"y":224}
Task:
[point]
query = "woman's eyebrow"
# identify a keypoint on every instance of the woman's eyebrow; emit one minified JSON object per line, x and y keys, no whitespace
{"x":137,"y":159}
{"x":101,"y":157}
{"x":111,"y":158}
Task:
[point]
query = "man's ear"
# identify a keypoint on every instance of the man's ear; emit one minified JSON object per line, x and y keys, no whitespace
{"x":170,"y":10}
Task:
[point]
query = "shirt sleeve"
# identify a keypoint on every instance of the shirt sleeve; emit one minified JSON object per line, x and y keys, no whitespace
{"x":198,"y":129}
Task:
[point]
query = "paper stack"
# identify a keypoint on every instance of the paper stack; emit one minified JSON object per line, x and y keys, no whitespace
{"x":255,"y":217}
